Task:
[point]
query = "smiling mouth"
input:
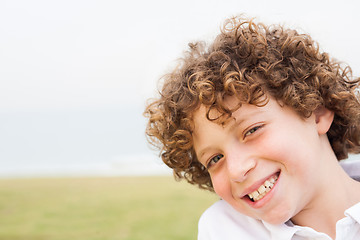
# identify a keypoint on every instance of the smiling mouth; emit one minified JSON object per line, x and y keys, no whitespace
{"x":263,"y":189}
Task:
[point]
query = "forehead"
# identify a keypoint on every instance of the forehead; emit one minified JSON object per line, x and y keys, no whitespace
{"x":205,"y":129}
{"x":203,"y":117}
{"x":239,"y":111}
{"x":246,"y":112}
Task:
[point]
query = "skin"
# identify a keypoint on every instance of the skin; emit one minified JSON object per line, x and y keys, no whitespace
{"x":261,"y":142}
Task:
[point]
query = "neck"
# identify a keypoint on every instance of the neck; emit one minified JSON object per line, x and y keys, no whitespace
{"x":335,"y":196}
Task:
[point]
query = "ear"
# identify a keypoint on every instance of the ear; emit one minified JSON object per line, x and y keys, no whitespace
{"x":323,"y":118}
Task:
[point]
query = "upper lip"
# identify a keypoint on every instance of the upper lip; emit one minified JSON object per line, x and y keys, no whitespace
{"x":255,"y":186}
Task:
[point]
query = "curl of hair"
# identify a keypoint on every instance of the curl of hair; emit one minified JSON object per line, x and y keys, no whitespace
{"x":251,"y":62}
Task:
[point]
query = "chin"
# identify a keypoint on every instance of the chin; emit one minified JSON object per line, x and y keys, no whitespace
{"x":278,"y":217}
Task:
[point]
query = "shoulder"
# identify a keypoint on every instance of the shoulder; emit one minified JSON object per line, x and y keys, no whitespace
{"x":221,"y":221}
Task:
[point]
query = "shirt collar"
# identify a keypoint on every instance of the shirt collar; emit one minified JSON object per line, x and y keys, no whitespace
{"x":280,"y":231}
{"x":354,"y":212}
{"x":287,"y":231}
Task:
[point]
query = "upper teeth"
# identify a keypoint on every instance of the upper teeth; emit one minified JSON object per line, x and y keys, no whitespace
{"x":263,"y":189}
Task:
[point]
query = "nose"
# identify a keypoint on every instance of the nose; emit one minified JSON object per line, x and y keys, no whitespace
{"x":239,"y":163}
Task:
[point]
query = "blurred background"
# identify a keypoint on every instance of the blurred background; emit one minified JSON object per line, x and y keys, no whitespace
{"x":75,"y":76}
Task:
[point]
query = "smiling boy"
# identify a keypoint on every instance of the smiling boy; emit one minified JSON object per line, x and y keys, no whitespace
{"x":262,"y":118}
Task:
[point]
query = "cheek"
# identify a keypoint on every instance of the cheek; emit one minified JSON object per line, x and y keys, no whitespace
{"x":221,"y":185}
{"x":282,"y":148}
{"x":223,"y":189}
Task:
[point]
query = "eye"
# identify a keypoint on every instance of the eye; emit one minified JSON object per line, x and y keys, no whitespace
{"x":252,"y":130}
{"x":214,"y":160}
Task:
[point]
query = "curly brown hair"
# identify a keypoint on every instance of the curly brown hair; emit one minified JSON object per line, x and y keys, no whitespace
{"x":251,"y":61}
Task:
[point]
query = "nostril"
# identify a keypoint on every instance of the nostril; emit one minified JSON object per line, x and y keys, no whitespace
{"x":247,"y":172}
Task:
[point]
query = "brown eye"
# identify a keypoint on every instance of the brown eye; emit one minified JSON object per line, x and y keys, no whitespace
{"x":252,"y":130}
{"x":214,"y":160}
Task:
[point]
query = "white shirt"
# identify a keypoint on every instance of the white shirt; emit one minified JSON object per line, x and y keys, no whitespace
{"x":222,"y":222}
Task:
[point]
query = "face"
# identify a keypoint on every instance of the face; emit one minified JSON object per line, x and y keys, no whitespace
{"x":265,"y":162}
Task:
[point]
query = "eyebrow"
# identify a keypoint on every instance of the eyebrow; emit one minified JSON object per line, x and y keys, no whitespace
{"x":202,"y":152}
{"x":233,"y":126}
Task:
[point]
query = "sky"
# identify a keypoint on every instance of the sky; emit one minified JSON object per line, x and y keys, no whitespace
{"x":75,"y":75}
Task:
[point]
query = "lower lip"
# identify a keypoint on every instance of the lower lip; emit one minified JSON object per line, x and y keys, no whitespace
{"x":265,"y":199}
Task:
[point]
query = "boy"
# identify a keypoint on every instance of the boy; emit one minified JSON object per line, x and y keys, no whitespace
{"x":262,"y":118}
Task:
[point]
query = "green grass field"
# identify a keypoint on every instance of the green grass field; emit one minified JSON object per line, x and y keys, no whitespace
{"x":126,"y":208}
